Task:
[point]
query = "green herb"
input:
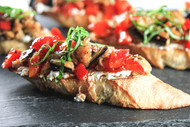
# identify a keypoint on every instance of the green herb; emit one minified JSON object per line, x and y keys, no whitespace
{"x":158,"y":26}
{"x":14,"y":13}
{"x":43,"y":73}
{"x":74,"y":34}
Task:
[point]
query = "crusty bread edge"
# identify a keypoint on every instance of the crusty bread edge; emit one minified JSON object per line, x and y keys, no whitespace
{"x":140,"y":91}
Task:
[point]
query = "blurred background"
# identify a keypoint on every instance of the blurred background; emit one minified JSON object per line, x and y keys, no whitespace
{"x":146,"y":4}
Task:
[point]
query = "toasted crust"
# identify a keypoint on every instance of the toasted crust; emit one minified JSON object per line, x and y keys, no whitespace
{"x":139,"y":91}
{"x":174,"y":57}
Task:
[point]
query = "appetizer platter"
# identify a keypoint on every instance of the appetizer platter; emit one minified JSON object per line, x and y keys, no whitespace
{"x":74,"y":69}
{"x":28,"y":106}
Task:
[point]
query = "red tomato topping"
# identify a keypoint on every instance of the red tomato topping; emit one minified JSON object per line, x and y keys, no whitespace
{"x":187,"y":44}
{"x":187,"y":24}
{"x":56,"y":32}
{"x":124,"y":38}
{"x":5,"y":25}
{"x":67,"y":8}
{"x":101,"y":29}
{"x":80,"y":71}
{"x":125,"y":24}
{"x":116,"y":60}
{"x":49,"y":40}
{"x":122,"y":6}
{"x":34,"y":70}
{"x":119,"y":61}
{"x":92,"y":9}
{"x":109,"y":11}
{"x":12,"y":56}
{"x":168,"y":23}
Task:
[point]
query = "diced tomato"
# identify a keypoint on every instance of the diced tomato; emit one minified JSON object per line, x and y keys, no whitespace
{"x":79,"y":4}
{"x":117,"y":57}
{"x":124,"y":38}
{"x":109,"y":12}
{"x":1,"y":13}
{"x":119,"y":61}
{"x":67,"y":8}
{"x":122,"y":6}
{"x":5,"y":24}
{"x":125,"y":24}
{"x":169,"y":24}
{"x":187,"y":45}
{"x":34,"y":70}
{"x":45,"y":66}
{"x":92,"y":9}
{"x":133,"y":66}
{"x":80,"y":71}
{"x":56,"y":32}
{"x":186,"y":25}
{"x":101,"y":29}
{"x":12,"y":56}
{"x":49,"y":40}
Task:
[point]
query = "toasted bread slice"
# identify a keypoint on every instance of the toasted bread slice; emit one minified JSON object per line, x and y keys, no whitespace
{"x":173,"y":55}
{"x":139,"y":91}
{"x":6,"y":45}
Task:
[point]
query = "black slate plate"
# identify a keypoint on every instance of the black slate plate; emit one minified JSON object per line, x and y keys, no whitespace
{"x":22,"y":104}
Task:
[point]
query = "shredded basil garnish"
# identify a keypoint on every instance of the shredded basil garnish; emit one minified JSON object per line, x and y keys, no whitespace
{"x":150,"y":31}
{"x":15,"y":13}
{"x":74,"y":34}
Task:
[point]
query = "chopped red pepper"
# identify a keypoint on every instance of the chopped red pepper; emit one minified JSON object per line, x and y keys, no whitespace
{"x":34,"y":70}
{"x":101,"y":29}
{"x":124,"y":38}
{"x":92,"y":9}
{"x":12,"y":56}
{"x":80,"y":71}
{"x":56,"y":32}
{"x":5,"y":24}
{"x":67,"y":8}
{"x":122,"y":6}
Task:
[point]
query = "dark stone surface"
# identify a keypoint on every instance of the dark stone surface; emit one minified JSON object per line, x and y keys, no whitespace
{"x":22,"y":104}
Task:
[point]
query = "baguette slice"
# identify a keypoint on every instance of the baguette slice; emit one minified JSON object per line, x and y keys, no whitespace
{"x":173,"y":55}
{"x":140,"y":91}
{"x":20,"y":31}
{"x":6,"y":45}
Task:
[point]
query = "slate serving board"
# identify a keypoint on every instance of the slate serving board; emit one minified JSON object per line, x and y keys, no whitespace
{"x":22,"y":104}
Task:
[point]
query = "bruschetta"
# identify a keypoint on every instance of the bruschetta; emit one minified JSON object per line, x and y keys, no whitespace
{"x":18,"y":29}
{"x":161,"y":36}
{"x":82,"y":12}
{"x":90,"y":71}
